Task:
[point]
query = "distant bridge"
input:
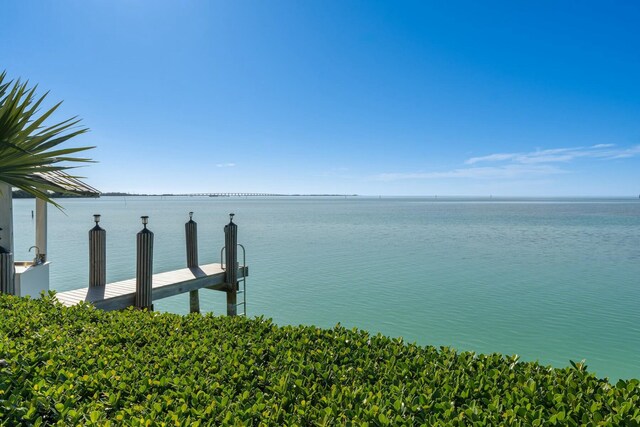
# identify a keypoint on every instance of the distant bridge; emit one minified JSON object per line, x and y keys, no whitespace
{"x":257,"y":194}
{"x":117,"y":194}
{"x":230,"y":194}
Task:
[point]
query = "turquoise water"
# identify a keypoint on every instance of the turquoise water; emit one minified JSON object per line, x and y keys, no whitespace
{"x":550,"y":280}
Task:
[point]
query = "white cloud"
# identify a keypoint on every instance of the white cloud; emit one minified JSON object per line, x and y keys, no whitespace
{"x":555,"y":155}
{"x":629,"y":152}
{"x":490,"y":158}
{"x":225,"y":165}
{"x":521,"y":165}
{"x":489,"y":172}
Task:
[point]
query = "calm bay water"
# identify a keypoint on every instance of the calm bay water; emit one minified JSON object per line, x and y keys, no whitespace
{"x":550,"y":280}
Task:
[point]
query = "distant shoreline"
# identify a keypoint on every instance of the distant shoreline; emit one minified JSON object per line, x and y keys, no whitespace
{"x":19,"y":194}
{"x":239,"y":194}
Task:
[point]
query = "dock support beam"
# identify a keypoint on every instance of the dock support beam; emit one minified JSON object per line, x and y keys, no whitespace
{"x":7,"y":269}
{"x":144,"y":267}
{"x":7,"y":273}
{"x":41,"y":229}
{"x":6,"y":217}
{"x":97,"y":254}
{"x":191,"y":233}
{"x":231,"y":264}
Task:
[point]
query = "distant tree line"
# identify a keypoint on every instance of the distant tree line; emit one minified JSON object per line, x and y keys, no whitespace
{"x":21,"y":194}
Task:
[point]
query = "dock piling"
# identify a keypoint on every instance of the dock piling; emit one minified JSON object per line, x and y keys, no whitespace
{"x":41,"y":229}
{"x":7,"y":282}
{"x":144,"y":266}
{"x":231,"y":264}
{"x":97,"y":254}
{"x":191,"y":233}
{"x":7,"y":268}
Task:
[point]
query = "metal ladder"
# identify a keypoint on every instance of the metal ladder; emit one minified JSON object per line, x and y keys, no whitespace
{"x":241,"y":286}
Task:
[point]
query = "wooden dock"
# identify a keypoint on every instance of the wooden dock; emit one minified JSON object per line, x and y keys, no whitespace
{"x":120,"y":295}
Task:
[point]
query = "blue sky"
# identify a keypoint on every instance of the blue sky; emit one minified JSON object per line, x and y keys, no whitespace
{"x":369,"y":97}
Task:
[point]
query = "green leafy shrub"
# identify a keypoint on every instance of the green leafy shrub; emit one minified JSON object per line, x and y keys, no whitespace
{"x":82,"y":366}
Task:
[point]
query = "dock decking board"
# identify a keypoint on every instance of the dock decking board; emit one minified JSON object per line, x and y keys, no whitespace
{"x":119,"y":295}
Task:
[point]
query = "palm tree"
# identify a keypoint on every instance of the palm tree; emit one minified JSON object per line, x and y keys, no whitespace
{"x":29,"y":149}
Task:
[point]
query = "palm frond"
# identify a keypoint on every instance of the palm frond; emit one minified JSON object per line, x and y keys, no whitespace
{"x":28,"y":148}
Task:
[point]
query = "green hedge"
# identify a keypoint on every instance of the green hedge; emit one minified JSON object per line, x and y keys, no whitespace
{"x":82,"y":366}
